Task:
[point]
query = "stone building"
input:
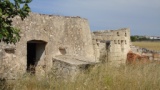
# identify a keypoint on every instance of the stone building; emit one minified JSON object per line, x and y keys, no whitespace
{"x":112,"y":46}
{"x":46,"y":39}
{"x":60,"y":43}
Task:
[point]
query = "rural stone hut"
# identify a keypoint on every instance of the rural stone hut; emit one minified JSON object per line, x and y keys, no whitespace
{"x":47,"y":42}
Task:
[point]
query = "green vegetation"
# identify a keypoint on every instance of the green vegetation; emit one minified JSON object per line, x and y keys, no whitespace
{"x":103,"y":77}
{"x":148,"y":44}
{"x":9,"y":10}
{"x":139,"y":38}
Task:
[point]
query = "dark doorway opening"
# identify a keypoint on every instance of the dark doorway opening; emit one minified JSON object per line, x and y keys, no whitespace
{"x":107,"y":45}
{"x":35,"y":53}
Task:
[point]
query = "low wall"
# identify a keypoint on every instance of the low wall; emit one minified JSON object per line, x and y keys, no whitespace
{"x":68,"y":67}
{"x":153,"y":55}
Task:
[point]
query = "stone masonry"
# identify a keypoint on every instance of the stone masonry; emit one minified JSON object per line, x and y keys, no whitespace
{"x":151,"y":54}
{"x":60,"y":43}
{"x":112,"y":46}
{"x":43,"y":37}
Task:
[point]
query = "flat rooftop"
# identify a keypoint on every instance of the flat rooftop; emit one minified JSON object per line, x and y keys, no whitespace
{"x":74,"y":60}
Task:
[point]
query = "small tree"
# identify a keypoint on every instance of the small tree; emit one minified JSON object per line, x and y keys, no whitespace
{"x":9,"y":10}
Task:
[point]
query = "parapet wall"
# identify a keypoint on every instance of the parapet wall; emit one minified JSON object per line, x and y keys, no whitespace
{"x":113,"y":45}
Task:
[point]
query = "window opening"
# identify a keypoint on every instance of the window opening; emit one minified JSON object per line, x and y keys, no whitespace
{"x":118,"y":34}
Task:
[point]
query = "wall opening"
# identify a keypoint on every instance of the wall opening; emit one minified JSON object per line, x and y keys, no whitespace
{"x":117,"y":33}
{"x":119,"y":42}
{"x":108,"y":45}
{"x":122,"y":45}
{"x":35,"y":53}
{"x":115,"y":42}
{"x":10,"y":50}
{"x":125,"y":34}
{"x":62,"y":50}
{"x":122,"y":42}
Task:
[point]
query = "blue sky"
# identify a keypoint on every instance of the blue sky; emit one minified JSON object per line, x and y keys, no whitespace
{"x":141,"y":16}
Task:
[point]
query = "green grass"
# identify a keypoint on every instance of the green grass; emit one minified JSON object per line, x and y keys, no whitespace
{"x":102,"y":77}
{"x":148,"y":44}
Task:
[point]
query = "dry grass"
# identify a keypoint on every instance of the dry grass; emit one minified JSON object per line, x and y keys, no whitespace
{"x":103,"y":77}
{"x":148,"y":44}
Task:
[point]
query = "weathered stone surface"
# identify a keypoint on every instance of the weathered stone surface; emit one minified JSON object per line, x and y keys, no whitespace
{"x":60,"y":43}
{"x":153,"y":55}
{"x":42,"y":38}
{"x":68,"y":67}
{"x":113,"y":45}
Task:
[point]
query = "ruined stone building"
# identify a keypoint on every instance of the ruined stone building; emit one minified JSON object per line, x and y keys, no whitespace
{"x":59,"y":42}
{"x":112,"y":46}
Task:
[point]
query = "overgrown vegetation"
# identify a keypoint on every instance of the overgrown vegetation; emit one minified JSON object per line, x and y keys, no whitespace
{"x":148,"y":44}
{"x":102,"y":77}
{"x":9,"y":10}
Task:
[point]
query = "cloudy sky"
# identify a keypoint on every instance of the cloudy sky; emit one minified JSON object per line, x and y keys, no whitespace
{"x":141,"y":16}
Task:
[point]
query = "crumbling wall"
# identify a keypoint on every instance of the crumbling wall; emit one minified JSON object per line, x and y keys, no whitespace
{"x":61,"y":34}
{"x":113,"y":45}
{"x":153,"y":55}
{"x":133,"y":58}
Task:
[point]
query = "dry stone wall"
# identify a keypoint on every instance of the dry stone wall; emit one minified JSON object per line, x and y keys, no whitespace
{"x":112,"y":45}
{"x":68,"y":67}
{"x":62,"y":43}
{"x":153,"y":55}
{"x":47,"y":36}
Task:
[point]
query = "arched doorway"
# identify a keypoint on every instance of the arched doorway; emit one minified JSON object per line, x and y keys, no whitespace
{"x":35,"y":53}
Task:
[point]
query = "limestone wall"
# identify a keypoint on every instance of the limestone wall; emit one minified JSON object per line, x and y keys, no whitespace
{"x":68,"y":67}
{"x":61,"y":35}
{"x":113,"y":45}
{"x":153,"y":55}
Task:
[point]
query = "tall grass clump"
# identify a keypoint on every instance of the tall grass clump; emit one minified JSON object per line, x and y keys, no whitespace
{"x":100,"y":77}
